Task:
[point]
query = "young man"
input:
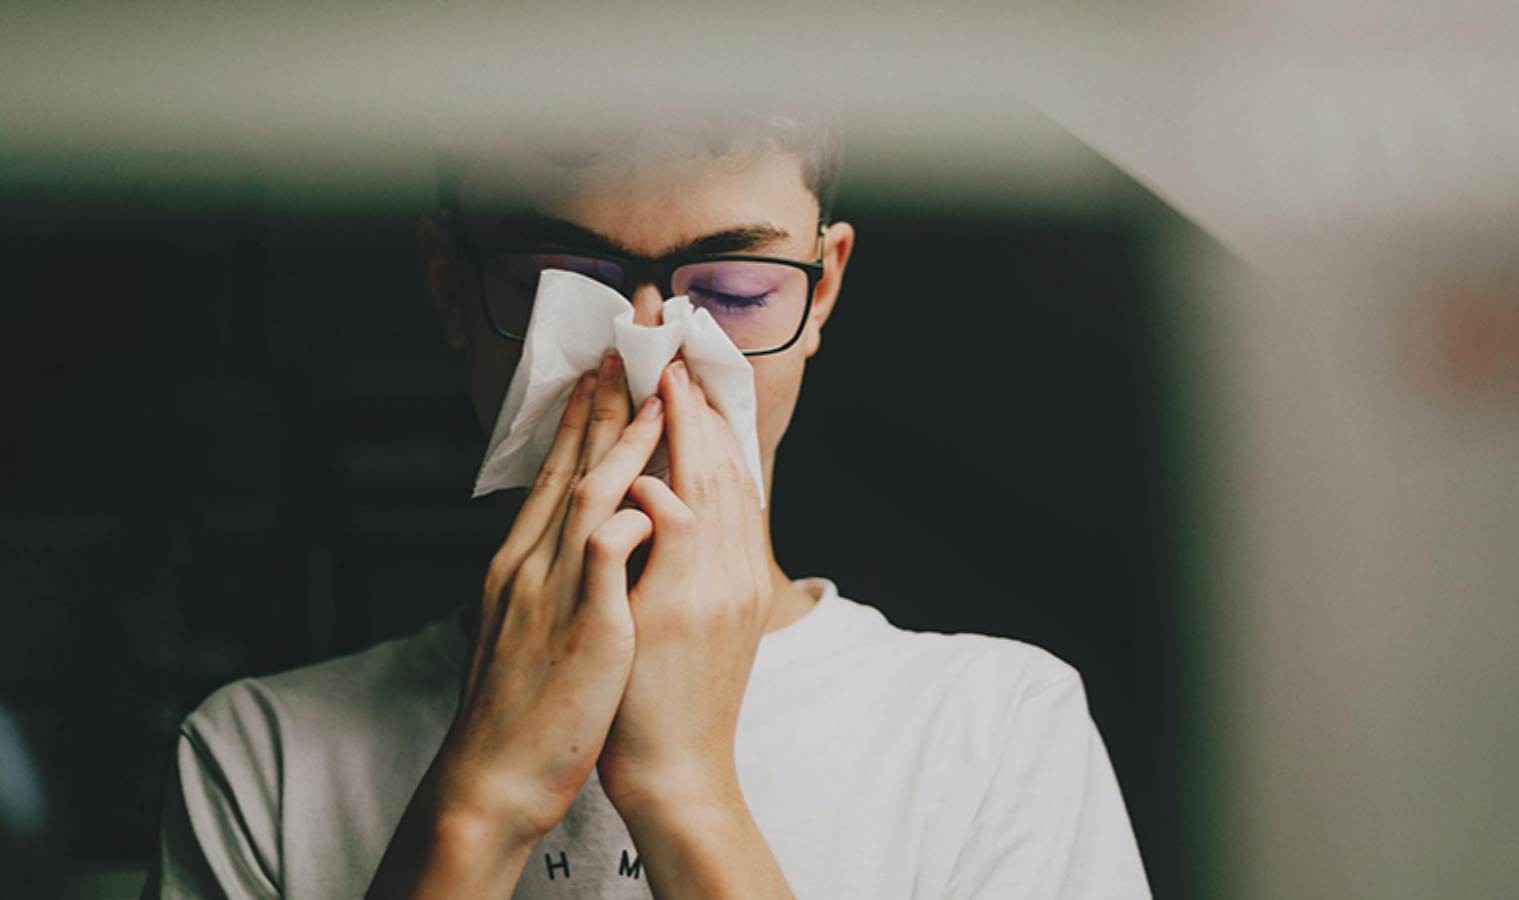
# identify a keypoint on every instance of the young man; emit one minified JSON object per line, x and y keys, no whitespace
{"x":643,"y":703}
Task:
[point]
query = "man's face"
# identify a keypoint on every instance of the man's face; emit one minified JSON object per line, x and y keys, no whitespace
{"x":648,"y":206}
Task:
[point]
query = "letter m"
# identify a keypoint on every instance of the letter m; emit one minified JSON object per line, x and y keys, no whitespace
{"x":627,"y":870}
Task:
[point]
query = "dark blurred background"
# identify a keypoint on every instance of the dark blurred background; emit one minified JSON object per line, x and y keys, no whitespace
{"x":237,"y":442}
{"x":1182,"y":339}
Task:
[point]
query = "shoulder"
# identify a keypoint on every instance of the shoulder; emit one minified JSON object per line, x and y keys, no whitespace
{"x":338,"y":697}
{"x":988,"y":668}
{"x":1003,"y":695}
{"x":1009,"y":663}
{"x":975,"y":696}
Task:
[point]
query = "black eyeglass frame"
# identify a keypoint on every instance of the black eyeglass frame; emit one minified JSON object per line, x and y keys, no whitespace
{"x":642,"y":270}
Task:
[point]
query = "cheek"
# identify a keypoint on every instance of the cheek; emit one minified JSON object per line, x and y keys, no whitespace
{"x":777,"y":383}
{"x":492,"y":361}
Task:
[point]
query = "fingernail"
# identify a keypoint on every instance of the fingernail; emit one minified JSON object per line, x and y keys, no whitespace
{"x":586,"y":386}
{"x":650,"y":408}
{"x":680,"y":371}
{"x":609,"y":365}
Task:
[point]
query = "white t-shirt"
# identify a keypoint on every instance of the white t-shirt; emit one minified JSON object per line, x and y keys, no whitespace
{"x":878,"y":763}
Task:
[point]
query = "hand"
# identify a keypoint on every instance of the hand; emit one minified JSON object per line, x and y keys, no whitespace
{"x":553,"y":649}
{"x":556,"y":636}
{"x":699,"y":608}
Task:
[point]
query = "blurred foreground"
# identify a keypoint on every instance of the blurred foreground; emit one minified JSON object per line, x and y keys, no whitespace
{"x":1230,"y":293}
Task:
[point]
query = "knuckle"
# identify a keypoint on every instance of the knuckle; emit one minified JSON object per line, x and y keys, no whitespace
{"x":602,"y":545}
{"x":705,"y":487}
{"x":497,"y":575}
{"x":737,"y":617}
{"x":681,"y":619}
{"x":532,"y":571}
{"x":571,"y":641}
{"x":740,"y":610}
{"x":729,"y":468}
{"x":588,"y":492}
{"x":604,"y":413}
{"x":680,"y":519}
{"x":548,"y":476}
{"x":594,"y":630}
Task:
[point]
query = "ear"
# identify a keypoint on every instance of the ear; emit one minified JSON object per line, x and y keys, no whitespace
{"x":440,"y":271}
{"x":838,"y":243}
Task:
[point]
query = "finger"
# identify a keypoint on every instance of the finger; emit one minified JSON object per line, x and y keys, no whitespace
{"x":717,"y":460}
{"x":674,"y":525}
{"x":690,"y":470}
{"x":558,"y":469}
{"x":541,"y":557}
{"x":596,"y":496}
{"x":609,"y":412}
{"x":604,"y":590}
{"x":747,"y":509}
{"x":742,"y":526}
{"x":722,"y":437}
{"x":732,"y":525}
{"x":548,"y":491}
{"x":724,"y":443}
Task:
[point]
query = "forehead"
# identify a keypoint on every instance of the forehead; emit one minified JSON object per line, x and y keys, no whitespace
{"x":648,"y":198}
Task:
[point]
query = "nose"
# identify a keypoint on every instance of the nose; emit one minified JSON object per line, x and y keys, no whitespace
{"x":648,"y":305}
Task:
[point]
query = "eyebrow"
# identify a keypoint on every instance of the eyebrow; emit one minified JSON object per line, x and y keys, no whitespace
{"x":738,"y":239}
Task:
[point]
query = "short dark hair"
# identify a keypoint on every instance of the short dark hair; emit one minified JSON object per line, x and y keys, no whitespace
{"x":814,"y":137}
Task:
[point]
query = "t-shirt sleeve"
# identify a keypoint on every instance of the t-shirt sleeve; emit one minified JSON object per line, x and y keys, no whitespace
{"x":1052,"y":822}
{"x":218,"y":836}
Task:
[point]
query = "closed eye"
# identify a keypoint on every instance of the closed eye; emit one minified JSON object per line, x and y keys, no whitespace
{"x":731,"y":300}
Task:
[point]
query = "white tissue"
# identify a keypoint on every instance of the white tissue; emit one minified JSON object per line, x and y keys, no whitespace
{"x":577,"y":319}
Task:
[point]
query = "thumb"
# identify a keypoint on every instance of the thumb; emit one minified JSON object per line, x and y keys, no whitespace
{"x":605,"y":585}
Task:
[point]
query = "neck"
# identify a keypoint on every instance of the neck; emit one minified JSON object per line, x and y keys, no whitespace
{"x":787,"y":601}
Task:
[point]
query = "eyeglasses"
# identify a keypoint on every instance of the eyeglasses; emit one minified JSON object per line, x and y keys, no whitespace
{"x":760,"y":302}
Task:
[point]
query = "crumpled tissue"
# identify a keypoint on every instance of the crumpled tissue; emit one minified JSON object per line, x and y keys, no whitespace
{"x":575,"y":321}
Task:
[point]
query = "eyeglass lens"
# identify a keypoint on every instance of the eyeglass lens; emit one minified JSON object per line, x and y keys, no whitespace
{"x":759,"y":305}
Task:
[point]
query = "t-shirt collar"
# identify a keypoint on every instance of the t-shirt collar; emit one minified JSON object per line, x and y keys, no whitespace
{"x":775,"y":647}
